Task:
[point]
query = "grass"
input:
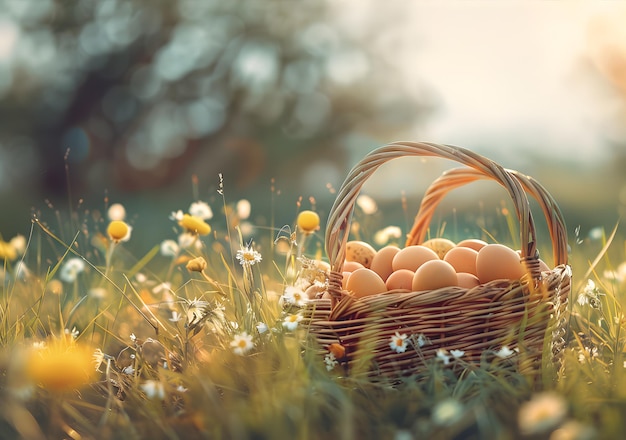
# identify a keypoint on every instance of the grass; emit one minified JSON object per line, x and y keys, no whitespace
{"x":185,"y":341}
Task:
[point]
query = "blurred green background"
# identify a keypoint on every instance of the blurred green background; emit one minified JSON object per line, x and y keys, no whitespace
{"x":127,"y":100}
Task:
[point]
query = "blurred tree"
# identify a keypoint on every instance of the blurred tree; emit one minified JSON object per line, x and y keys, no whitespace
{"x":139,"y":93}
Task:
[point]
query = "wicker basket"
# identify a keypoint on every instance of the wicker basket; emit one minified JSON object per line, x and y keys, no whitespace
{"x":526,"y":315}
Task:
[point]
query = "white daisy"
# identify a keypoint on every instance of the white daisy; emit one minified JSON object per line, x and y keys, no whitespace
{"x":398,"y":342}
{"x":242,"y":343}
{"x":294,"y":296}
{"x":248,"y":256}
{"x":291,"y":321}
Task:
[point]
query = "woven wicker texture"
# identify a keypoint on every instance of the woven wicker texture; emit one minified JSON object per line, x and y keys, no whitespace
{"x":526,"y":314}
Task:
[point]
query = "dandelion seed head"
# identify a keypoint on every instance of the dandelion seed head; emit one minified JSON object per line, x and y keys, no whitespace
{"x":367,"y":204}
{"x":385,"y":235}
{"x":71,"y":269}
{"x":169,"y":248}
{"x":243,"y":209}
{"x":19,"y":244}
{"x":116,"y":212}
{"x":202,"y":210}
{"x":176,"y":215}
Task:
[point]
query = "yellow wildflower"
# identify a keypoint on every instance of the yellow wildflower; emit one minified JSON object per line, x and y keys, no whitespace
{"x":60,"y":366}
{"x":118,"y":230}
{"x":308,"y":221}
{"x":195,"y":224}
{"x":7,"y":251}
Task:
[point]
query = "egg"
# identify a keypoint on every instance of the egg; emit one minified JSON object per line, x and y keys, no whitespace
{"x":463,"y":259}
{"x":496,"y":262}
{"x":344,"y":280}
{"x":381,"y":263}
{"x":400,"y":279}
{"x":412,"y":257}
{"x":472,"y":243}
{"x":434,"y":274}
{"x":323,"y":266}
{"x":314,"y":290}
{"x":365,"y":282}
{"x":351,"y":266}
{"x":467,"y":280}
{"x":543,"y":267}
{"x":360,"y":252}
{"x":441,"y":246}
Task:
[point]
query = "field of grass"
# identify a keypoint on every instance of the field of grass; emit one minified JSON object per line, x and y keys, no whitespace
{"x":203,"y":337}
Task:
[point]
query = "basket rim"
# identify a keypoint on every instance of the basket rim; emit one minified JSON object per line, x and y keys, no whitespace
{"x":457,"y":177}
{"x":516,"y":184}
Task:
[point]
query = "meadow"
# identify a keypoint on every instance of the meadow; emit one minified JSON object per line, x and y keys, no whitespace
{"x":205,"y":336}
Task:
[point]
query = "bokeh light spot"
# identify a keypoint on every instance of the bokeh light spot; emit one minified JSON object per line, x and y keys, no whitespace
{"x":77,"y":141}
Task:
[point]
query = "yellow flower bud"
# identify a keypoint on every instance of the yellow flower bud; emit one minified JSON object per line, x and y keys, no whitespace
{"x":118,"y":230}
{"x":308,"y":221}
{"x":196,"y":265}
{"x":195,"y":224}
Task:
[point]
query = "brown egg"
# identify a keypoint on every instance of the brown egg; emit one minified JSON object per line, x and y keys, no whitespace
{"x":344,"y":281}
{"x":351,"y":266}
{"x":323,"y":266}
{"x":312,"y":291}
{"x":365,"y":282}
{"x":433,"y":275}
{"x":400,"y":279}
{"x":360,"y":252}
{"x":441,"y":246}
{"x":543,"y":267}
{"x":472,"y":243}
{"x":381,"y":263}
{"x":463,"y":259}
{"x":412,"y":257}
{"x":496,"y":262}
{"x":467,"y":280}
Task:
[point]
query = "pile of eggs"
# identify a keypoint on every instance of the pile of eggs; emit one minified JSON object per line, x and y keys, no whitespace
{"x":435,"y":264}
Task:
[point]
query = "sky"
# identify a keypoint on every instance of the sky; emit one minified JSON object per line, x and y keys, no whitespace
{"x":503,"y":71}
{"x":518,"y":81}
{"x":517,"y":72}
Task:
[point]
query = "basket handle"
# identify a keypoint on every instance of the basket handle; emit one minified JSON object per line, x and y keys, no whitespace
{"x":458,"y":177}
{"x":337,"y":228}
